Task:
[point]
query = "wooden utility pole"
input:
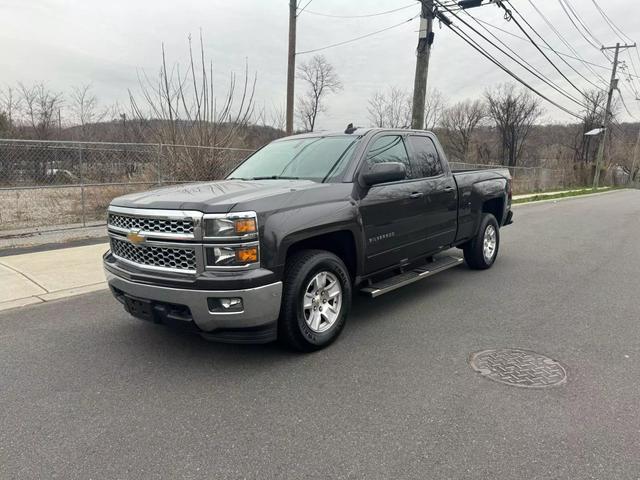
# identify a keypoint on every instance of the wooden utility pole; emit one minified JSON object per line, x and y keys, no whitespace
{"x":425,"y":39}
{"x":635,"y":155}
{"x":613,"y":83}
{"x":291,"y":64}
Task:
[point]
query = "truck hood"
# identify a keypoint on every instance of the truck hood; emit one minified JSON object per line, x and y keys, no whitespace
{"x":215,"y":197}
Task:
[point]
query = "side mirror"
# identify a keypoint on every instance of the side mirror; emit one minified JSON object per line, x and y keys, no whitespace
{"x":384,"y":172}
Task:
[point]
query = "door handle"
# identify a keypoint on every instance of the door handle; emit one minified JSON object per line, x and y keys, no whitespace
{"x":416,"y":195}
{"x":449,"y":189}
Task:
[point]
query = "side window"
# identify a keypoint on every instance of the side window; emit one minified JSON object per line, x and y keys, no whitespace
{"x":426,"y":162}
{"x":389,"y":148}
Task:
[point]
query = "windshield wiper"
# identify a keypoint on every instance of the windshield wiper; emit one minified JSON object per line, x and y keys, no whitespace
{"x":275,"y":177}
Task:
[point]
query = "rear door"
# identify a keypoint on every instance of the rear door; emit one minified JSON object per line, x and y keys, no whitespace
{"x":440,"y":194}
{"x":392,"y":213}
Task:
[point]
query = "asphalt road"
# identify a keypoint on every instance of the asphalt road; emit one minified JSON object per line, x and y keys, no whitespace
{"x":87,"y":392}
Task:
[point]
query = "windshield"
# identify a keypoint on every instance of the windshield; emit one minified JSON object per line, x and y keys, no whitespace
{"x":322,"y":159}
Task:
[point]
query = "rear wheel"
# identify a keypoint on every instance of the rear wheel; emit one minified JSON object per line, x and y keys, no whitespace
{"x":481,"y":252}
{"x":315,"y":301}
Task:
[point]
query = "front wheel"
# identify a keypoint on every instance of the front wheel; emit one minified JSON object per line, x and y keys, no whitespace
{"x":481,"y":252}
{"x":315,"y":301}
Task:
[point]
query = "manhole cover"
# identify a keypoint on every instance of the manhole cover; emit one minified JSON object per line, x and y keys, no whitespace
{"x":520,"y":368}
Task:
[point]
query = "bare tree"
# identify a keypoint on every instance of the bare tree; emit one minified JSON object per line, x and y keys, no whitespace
{"x":9,"y":108}
{"x":277,"y":117}
{"x":390,"y":109}
{"x":435,"y":104}
{"x":41,"y":109}
{"x":273,"y":117}
{"x":321,"y":79}
{"x":459,"y":122}
{"x":187,"y":107}
{"x":377,"y":109}
{"x":181,"y":108}
{"x":514,"y":113}
{"x":585,"y":147}
{"x":5,"y":125}
{"x":85,"y":108}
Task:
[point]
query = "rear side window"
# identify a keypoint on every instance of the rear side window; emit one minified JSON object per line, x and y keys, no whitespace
{"x":425,"y":161}
{"x":389,"y":148}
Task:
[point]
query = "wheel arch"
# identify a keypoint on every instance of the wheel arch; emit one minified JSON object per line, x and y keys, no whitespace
{"x":495,"y":206}
{"x":340,"y":242}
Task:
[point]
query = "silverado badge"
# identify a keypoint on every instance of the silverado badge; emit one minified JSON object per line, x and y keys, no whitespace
{"x":134,"y":237}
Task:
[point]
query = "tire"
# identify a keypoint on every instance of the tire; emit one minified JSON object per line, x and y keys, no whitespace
{"x":301,"y":326}
{"x":475,"y":254}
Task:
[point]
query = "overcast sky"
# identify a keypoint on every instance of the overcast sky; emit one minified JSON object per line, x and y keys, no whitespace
{"x":106,"y":42}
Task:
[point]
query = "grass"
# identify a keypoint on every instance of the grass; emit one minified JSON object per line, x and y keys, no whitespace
{"x":573,"y":193}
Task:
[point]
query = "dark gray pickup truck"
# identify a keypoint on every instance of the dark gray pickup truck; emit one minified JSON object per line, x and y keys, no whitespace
{"x":276,"y":250}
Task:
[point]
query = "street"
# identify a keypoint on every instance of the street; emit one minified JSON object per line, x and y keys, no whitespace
{"x":88,"y":392}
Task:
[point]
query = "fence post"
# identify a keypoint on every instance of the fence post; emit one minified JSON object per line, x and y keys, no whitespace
{"x":84,"y":215}
{"x":159,"y":164}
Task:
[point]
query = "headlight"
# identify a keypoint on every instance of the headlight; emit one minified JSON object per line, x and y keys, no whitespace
{"x":231,"y":226}
{"x":232,"y":255}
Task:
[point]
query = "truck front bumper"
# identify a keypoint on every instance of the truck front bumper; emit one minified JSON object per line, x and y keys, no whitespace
{"x":254,"y":322}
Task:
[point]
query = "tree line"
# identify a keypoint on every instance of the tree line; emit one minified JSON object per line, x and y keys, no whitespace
{"x":181,"y":107}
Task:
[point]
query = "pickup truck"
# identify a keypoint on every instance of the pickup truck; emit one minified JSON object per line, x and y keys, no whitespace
{"x":276,"y":250}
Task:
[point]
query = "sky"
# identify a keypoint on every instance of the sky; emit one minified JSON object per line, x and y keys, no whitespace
{"x":109,"y":43}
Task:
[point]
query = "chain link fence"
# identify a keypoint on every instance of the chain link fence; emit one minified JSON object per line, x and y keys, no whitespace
{"x":49,"y":185}
{"x":542,"y":179}
{"x":57,"y":184}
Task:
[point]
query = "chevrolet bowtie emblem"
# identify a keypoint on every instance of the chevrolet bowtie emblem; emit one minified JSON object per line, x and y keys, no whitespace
{"x":134,"y":237}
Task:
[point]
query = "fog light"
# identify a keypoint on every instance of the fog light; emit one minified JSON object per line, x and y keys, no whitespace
{"x":233,"y":304}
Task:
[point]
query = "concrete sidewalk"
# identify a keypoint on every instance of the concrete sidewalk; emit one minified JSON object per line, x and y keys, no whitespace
{"x":44,"y":276}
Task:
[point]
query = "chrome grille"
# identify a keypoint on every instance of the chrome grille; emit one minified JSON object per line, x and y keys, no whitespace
{"x":183,"y":259}
{"x":158,"y":225}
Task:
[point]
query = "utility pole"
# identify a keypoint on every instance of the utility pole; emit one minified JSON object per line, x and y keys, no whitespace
{"x":635,"y":155}
{"x":291,"y":64}
{"x":613,"y":83}
{"x":425,"y":40}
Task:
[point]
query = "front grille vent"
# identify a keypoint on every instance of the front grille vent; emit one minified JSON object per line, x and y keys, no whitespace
{"x":183,"y":259}
{"x":157,"y":225}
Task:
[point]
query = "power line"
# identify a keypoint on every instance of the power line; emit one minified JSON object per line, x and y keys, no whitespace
{"x":358,"y":38}
{"x":527,"y":66}
{"x":566,"y":43}
{"x":536,"y":45}
{"x":586,"y":62}
{"x":566,"y":5}
{"x":625,"y":105}
{"x":305,"y":6}
{"x":364,"y":15}
{"x":633,"y":66}
{"x":545,"y":47}
{"x":489,"y":57}
{"x":618,"y":31}
{"x":613,"y":26}
{"x":631,"y":86}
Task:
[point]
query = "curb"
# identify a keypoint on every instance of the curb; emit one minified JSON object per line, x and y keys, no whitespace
{"x":51,"y":296}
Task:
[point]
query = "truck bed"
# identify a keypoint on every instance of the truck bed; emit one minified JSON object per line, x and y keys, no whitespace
{"x":474,"y":187}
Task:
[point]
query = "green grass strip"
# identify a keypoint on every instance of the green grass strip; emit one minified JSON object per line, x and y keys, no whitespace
{"x":573,"y":193}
